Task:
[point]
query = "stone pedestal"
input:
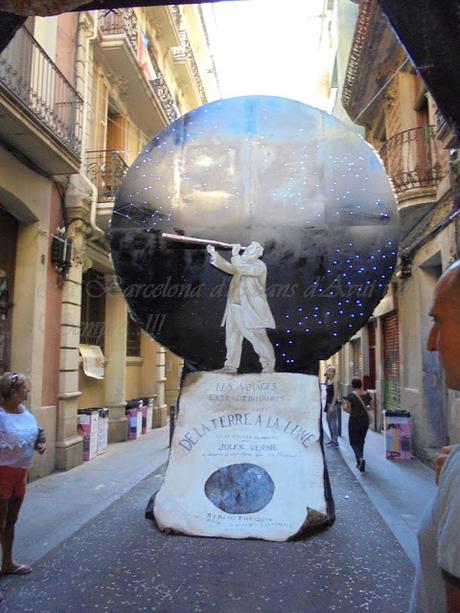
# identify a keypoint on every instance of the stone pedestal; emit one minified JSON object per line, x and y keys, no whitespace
{"x":69,"y":444}
{"x":116,"y":312}
{"x":118,"y":423}
{"x":160,"y":373}
{"x":246,"y":458}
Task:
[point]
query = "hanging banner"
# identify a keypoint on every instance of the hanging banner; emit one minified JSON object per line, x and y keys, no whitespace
{"x":93,"y":361}
{"x":143,"y":56}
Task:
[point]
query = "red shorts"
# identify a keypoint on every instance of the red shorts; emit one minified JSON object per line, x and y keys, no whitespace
{"x":12,"y":482}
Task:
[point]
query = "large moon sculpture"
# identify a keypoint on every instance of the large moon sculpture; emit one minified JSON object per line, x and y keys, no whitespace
{"x":265,"y":169}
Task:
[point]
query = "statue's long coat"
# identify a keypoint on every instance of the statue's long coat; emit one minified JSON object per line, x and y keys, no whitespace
{"x":247,"y":287}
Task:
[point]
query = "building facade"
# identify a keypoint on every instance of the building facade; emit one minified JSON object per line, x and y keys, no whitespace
{"x":80,"y":95}
{"x":385,"y":97}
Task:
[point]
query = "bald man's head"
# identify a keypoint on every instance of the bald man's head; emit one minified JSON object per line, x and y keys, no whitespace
{"x":445,"y":332}
{"x":448,"y":287}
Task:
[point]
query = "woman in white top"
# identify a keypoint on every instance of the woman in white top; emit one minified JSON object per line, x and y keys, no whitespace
{"x":19,"y":436}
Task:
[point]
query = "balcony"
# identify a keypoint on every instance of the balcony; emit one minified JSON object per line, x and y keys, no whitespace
{"x":444,"y":134}
{"x":129,"y":67}
{"x":166,"y":21}
{"x":411,"y":160}
{"x":163,"y":93}
{"x":187,"y":69}
{"x":123,"y":24}
{"x":106,"y":169}
{"x":40,"y":111}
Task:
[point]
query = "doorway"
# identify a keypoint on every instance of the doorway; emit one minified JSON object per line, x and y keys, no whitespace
{"x":434,"y":387}
{"x":8,"y":241}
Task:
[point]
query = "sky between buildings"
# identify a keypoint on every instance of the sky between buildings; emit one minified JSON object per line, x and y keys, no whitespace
{"x":270,"y":47}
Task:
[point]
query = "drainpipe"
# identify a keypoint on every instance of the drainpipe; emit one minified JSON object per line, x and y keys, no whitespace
{"x":93,"y":210}
{"x":93,"y":189}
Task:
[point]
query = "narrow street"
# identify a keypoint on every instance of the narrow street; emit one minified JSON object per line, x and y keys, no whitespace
{"x":172,"y":202}
{"x":92,"y":550}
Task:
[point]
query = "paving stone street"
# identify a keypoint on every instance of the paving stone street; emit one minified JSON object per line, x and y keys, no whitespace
{"x":118,"y":561}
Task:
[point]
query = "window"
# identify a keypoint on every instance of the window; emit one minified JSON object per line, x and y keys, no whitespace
{"x":92,"y":331}
{"x":133,"y":338}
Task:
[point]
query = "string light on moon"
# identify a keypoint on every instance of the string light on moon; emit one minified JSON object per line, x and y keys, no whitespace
{"x":265,"y":169}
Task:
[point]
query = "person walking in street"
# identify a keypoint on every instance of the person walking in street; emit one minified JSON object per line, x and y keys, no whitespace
{"x":331,"y":407}
{"x":19,"y":436}
{"x":357,"y":404}
{"x":437,"y":580}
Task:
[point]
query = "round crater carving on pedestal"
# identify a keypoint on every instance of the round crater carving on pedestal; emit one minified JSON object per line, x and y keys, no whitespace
{"x":240,"y":488}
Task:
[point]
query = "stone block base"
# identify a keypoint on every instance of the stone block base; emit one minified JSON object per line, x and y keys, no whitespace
{"x":69,"y":453}
{"x":246,"y":458}
{"x":160,"y":416}
{"x":45,"y":464}
{"x":118,"y":430}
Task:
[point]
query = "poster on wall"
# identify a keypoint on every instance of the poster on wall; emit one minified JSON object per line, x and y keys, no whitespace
{"x":93,"y":361}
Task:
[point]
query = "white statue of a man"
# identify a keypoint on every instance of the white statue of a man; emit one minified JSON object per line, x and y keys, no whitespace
{"x":247,"y":314}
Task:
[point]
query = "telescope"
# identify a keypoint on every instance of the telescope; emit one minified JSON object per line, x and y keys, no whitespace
{"x":191,"y":240}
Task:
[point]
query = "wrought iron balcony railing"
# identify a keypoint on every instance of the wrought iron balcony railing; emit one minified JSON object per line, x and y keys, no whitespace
{"x":411,"y":160}
{"x":185,"y":53}
{"x":125,"y":22}
{"x":176,"y":15}
{"x":37,"y":85}
{"x":444,"y":134}
{"x":162,"y":91}
{"x":439,"y":119}
{"x":122,"y":22}
{"x":106,"y":169}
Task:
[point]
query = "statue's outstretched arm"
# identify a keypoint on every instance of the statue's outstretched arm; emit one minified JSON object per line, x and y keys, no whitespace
{"x":219,"y":262}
